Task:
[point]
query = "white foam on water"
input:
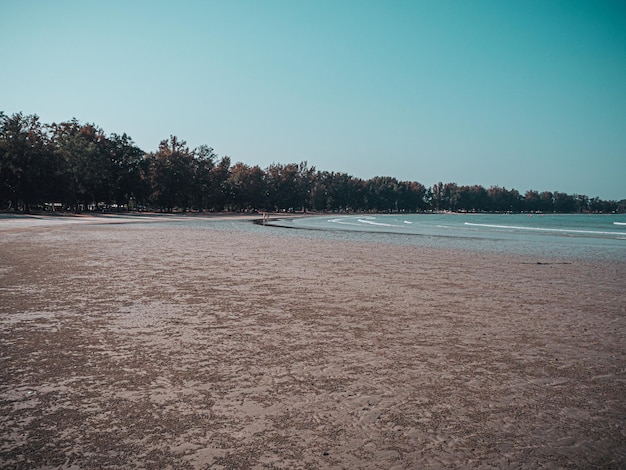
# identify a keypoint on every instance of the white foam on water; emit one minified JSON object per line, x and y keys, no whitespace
{"x":544,"y":229}
{"x":593,"y":237}
{"x":381,"y":224}
{"x":342,"y":221}
{"x":619,"y":223}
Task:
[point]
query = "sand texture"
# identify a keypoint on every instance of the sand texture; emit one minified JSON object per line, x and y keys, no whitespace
{"x":154,"y":346}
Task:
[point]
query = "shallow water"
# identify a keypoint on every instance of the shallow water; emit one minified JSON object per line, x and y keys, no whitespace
{"x":586,"y":236}
{"x":565,"y":236}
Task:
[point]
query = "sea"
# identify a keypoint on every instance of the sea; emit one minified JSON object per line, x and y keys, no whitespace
{"x":566,"y":236}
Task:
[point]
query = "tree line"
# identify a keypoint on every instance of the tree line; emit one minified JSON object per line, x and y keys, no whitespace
{"x":77,"y":167}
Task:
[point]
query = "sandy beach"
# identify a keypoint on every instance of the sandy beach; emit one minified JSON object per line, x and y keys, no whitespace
{"x":127,"y":345}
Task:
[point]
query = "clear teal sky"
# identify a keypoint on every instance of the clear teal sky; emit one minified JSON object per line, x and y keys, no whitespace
{"x":526,"y":94}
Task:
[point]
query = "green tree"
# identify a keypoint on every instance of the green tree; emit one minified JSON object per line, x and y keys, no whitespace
{"x":332,"y":191}
{"x":203,"y":165}
{"x":437,"y":196}
{"x":86,"y":169}
{"x":126,"y":181}
{"x":218,"y":195}
{"x":564,"y":203}
{"x":382,"y":193}
{"x":449,"y":196}
{"x":411,"y":196}
{"x":503,"y":200}
{"x":289,"y":185}
{"x":546,"y":201}
{"x":27,"y":166}
{"x":247,"y":187}
{"x":531,"y":201}
{"x":172,"y":170}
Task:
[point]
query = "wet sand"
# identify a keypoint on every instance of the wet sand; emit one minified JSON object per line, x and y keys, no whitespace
{"x":154,"y":346}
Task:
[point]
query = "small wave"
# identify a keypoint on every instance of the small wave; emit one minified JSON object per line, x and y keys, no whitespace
{"x":407,"y":222}
{"x":619,"y":223}
{"x":544,"y":229}
{"x":342,"y":221}
{"x":381,"y":224}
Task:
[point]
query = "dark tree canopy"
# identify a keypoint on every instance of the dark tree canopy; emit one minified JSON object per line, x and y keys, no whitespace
{"x":74,"y":166}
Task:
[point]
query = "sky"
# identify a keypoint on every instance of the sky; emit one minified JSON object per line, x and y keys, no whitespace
{"x":527,"y":94}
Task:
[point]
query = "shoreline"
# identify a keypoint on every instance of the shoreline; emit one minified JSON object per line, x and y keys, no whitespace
{"x":446,"y":243}
{"x":31,"y":221}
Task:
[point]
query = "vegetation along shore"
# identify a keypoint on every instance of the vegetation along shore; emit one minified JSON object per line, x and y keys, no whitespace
{"x":77,"y":167}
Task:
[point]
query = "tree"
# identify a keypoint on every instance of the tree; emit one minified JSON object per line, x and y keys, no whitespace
{"x":126,"y":170}
{"x":86,"y":165}
{"x":582,"y":203}
{"x":546,"y":201}
{"x":411,"y":196}
{"x":471,"y":198}
{"x":247,"y":187}
{"x":289,"y":185}
{"x":564,"y":203}
{"x":383,"y":193}
{"x":219,"y":177}
{"x":204,"y":162}
{"x":332,"y":191}
{"x":78,"y":165}
{"x":449,"y":196}
{"x":27,"y":169}
{"x":531,"y":201}
{"x":172,"y":170}
{"x":503,"y":200}
{"x":437,"y":196}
